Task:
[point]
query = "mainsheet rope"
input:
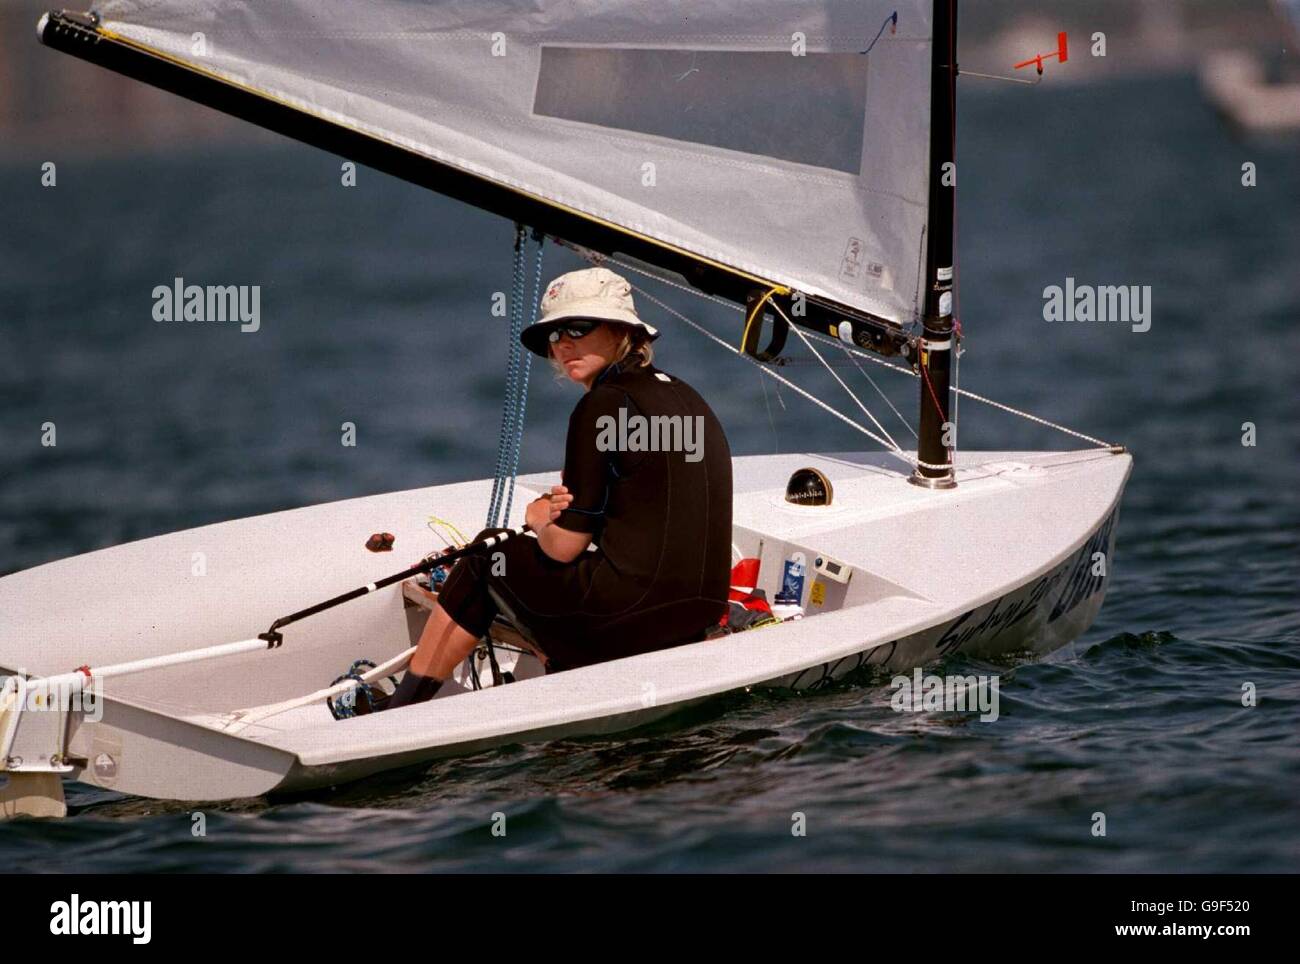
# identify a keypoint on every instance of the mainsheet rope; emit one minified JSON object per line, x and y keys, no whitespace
{"x":515,"y":400}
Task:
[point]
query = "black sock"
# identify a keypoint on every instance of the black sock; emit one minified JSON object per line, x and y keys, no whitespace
{"x":414,"y":688}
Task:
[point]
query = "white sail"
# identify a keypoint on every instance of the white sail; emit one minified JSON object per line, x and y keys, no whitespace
{"x":754,"y":133}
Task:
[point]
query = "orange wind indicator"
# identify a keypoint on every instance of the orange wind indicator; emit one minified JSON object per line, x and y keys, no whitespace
{"x":1062,"y":54}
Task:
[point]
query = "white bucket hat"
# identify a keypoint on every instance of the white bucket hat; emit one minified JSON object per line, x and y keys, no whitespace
{"x":592,"y":293}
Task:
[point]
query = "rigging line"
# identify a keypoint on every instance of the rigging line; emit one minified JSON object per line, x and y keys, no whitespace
{"x":518,"y":307}
{"x":1012,"y":80}
{"x":244,"y":718}
{"x":602,"y":259}
{"x":956,"y":394}
{"x":511,"y":437}
{"x":507,"y":403}
{"x":875,"y":421}
{"x":963,"y":393}
{"x":454,"y":530}
{"x":767,"y":403}
{"x":596,"y":258}
{"x":816,"y":336}
{"x":857,"y":352}
{"x":862,"y":371}
{"x":512,"y":354}
{"x":1099,"y":443}
{"x":756,"y":312}
{"x":895,"y":451}
{"x":518,"y":440}
{"x":929,"y":385}
{"x":440,"y":527}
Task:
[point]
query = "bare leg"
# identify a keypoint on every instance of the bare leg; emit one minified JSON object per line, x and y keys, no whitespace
{"x":443,"y":645}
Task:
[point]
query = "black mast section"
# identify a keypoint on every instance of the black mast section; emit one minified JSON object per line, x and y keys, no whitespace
{"x":937,"y":339}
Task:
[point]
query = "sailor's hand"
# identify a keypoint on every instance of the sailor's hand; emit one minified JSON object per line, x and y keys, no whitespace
{"x":538,"y":514}
{"x":561,"y":498}
{"x":545,"y":510}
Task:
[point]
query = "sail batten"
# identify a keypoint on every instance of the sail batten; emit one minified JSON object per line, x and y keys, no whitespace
{"x":751,"y":136}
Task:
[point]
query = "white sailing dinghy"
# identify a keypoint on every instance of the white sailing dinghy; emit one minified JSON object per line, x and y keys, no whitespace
{"x":784,"y":156}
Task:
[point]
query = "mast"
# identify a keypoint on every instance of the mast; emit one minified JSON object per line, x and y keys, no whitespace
{"x":937,"y":340}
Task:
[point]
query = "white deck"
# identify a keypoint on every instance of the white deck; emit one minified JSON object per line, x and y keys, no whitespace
{"x":921,"y":559}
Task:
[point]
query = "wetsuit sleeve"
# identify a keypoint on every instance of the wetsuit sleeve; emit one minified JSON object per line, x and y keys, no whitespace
{"x":586,"y":467}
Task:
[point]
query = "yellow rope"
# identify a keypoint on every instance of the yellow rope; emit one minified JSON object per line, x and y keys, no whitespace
{"x":757,"y":312}
{"x":434,"y":522}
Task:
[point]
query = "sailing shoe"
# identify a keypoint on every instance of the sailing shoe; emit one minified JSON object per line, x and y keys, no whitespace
{"x":414,"y":688}
{"x":364,"y":698}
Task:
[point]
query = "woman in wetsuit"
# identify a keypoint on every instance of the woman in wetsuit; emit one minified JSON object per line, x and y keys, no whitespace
{"x":633,"y":551}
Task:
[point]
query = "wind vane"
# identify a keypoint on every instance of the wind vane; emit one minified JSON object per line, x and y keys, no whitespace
{"x":1061,"y":53}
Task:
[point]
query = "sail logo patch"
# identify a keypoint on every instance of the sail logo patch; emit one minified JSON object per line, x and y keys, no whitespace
{"x":851,"y":264}
{"x":855,"y":267}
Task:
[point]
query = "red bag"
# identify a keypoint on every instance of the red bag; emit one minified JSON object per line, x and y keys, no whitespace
{"x":744,"y":591}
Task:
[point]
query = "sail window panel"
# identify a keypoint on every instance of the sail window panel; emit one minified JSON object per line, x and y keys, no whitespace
{"x":809,"y":110}
{"x":815,"y":175}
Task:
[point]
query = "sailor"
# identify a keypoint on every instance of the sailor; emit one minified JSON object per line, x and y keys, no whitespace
{"x":633,"y":550}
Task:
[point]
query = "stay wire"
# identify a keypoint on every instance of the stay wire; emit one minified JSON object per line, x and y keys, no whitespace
{"x":600,"y":259}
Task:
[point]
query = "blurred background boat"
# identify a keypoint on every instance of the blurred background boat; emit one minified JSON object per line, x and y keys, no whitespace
{"x":1255,"y":91}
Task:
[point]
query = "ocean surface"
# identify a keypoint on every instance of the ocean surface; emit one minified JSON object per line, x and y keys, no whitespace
{"x":375,"y":310}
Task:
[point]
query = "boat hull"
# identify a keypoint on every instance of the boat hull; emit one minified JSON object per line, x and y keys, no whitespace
{"x":1037,"y":617}
{"x":1016,"y":560}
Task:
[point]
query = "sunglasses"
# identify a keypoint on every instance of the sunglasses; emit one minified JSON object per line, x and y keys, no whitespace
{"x":574,"y":329}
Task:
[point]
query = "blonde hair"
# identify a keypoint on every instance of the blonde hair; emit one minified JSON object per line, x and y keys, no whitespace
{"x":634,"y":347}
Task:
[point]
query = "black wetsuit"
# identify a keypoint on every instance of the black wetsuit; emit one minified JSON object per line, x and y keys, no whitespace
{"x":661,"y":522}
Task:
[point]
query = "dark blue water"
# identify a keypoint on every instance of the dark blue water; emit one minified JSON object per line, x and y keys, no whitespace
{"x":375,"y":310}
